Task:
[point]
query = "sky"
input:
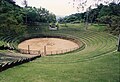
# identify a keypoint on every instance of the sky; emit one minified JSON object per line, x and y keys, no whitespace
{"x":58,"y":7}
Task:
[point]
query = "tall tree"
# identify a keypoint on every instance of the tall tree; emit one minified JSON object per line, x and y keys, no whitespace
{"x":25,"y":3}
{"x":11,"y":21}
{"x":82,"y":3}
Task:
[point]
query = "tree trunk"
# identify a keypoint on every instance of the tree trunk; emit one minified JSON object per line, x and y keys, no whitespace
{"x":86,"y":22}
{"x":86,"y":25}
{"x":26,"y":19}
{"x":119,"y":43}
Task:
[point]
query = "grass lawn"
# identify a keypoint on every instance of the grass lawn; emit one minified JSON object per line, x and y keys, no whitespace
{"x":98,"y":62}
{"x":96,"y":27}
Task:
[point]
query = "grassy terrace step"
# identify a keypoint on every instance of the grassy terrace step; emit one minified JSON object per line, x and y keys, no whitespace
{"x":96,"y":45}
{"x":2,"y":41}
{"x":94,"y":41}
{"x":97,"y":62}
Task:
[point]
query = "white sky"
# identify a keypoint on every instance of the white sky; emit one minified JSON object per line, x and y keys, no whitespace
{"x":58,"y":7}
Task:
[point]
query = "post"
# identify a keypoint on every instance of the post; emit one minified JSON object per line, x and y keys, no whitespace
{"x":119,"y":44}
{"x":51,"y":52}
{"x":44,"y":50}
{"x":38,"y":52}
{"x":28,"y":49}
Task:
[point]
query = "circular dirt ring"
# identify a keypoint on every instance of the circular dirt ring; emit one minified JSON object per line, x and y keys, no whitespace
{"x":48,"y":46}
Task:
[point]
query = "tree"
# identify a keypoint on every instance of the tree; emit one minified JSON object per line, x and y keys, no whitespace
{"x":107,"y":14}
{"x":11,"y":19}
{"x":38,"y":15}
{"x":87,"y":17}
{"x":25,"y":5}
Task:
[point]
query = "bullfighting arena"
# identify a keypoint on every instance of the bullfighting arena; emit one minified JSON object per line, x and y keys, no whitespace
{"x":47,"y":46}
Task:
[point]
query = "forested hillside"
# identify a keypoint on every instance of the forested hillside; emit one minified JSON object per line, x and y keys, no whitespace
{"x":103,"y":14}
{"x":15,"y":19}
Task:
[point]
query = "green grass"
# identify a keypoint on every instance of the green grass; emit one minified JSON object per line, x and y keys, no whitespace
{"x":96,"y":27}
{"x":1,"y":43}
{"x":98,"y":62}
{"x":38,"y":29}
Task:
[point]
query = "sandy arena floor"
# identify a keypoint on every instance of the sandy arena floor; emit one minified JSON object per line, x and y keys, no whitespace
{"x":53,"y":45}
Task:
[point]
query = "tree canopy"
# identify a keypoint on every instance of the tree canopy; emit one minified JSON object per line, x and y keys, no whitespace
{"x":103,"y":14}
{"x":13,"y":17}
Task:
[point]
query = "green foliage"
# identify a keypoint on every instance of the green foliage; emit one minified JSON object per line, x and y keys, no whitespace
{"x":11,"y":21}
{"x":38,"y":15}
{"x":14,"y":19}
{"x":103,"y":14}
{"x":113,"y":22}
{"x":72,"y":18}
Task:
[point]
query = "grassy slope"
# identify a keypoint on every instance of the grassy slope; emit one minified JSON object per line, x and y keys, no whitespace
{"x":96,"y":27}
{"x":98,"y":62}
